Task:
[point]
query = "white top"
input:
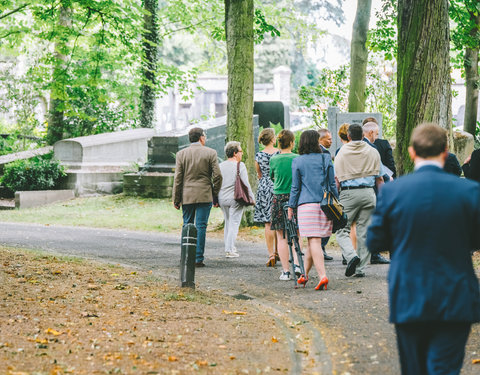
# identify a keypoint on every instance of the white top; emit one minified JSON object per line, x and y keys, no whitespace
{"x":229,"y":174}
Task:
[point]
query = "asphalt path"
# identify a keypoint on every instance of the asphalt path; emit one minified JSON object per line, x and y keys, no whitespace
{"x":343,"y":330}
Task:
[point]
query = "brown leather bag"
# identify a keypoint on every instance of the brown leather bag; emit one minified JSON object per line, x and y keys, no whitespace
{"x":241,"y":191}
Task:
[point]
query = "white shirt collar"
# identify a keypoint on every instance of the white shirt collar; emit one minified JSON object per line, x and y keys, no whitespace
{"x":423,"y":163}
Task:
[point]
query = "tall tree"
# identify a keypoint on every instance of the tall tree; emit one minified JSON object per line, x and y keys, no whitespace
{"x":149,"y":63}
{"x":472,"y":78}
{"x":56,"y":125}
{"x":423,"y":73}
{"x":359,"y":57}
{"x":239,"y":16}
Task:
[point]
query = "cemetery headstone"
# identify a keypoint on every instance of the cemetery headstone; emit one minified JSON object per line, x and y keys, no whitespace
{"x":337,"y":118}
{"x":155,"y":178}
{"x":272,"y":112}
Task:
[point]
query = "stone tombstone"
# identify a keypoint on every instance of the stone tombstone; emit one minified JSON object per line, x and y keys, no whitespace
{"x":155,"y":179}
{"x":96,"y":163}
{"x":272,"y":112}
{"x":337,"y":118}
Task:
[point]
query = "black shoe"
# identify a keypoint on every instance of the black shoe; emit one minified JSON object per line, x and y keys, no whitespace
{"x":326,"y":256}
{"x":344,"y":261}
{"x":359,"y":274}
{"x":199,"y":264}
{"x":352,"y":266}
{"x":378,"y":259}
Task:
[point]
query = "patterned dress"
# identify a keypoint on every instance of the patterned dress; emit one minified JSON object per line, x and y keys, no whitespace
{"x":263,"y":205}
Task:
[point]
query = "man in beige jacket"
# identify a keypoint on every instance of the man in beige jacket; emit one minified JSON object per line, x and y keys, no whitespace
{"x":357,"y":172}
{"x":197,"y":180}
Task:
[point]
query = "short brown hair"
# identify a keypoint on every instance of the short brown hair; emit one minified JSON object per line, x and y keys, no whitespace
{"x":266,"y":136}
{"x":429,"y":140}
{"x":370,"y":119}
{"x":343,"y":131}
{"x":309,"y":142}
{"x":285,"y":137}
{"x":194,"y":134}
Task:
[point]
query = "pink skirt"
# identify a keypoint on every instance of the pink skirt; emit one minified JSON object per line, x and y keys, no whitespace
{"x":312,"y":221}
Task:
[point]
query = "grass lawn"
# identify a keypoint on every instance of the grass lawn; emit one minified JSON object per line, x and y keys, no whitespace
{"x":112,"y":211}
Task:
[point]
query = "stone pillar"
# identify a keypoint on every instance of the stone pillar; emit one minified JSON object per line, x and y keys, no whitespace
{"x":281,"y":83}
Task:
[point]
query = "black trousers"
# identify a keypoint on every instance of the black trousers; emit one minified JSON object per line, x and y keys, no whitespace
{"x":432,"y":348}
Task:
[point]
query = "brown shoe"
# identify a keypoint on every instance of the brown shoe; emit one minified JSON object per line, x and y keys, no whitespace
{"x":199,"y":264}
{"x":271,"y":261}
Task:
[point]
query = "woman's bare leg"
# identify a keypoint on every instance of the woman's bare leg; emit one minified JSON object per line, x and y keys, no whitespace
{"x":282,"y":246}
{"x":270,"y":239}
{"x":315,"y":247}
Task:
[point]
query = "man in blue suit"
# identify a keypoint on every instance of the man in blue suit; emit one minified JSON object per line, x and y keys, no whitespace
{"x":430,"y":220}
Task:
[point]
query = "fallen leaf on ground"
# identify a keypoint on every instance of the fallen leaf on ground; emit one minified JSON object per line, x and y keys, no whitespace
{"x":51,"y":331}
{"x":172,"y":358}
{"x":234,"y":312}
{"x":274,"y":339}
{"x":200,"y":362}
{"x":476,"y":361}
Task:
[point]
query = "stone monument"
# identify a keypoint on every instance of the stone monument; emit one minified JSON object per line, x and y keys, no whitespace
{"x":155,"y":178}
{"x":337,"y":118}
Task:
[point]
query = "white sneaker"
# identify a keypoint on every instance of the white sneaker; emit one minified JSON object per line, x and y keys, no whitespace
{"x":285,"y":276}
{"x":231,"y":254}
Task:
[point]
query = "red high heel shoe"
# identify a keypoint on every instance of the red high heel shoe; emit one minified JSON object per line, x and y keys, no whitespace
{"x":322,"y":284}
{"x":302,"y":280}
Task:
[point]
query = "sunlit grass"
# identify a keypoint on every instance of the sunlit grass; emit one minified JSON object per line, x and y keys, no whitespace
{"x":112,"y":211}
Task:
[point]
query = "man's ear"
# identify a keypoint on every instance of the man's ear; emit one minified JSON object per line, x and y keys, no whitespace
{"x":412,"y":153}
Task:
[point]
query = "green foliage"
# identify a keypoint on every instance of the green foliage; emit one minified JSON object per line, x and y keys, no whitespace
{"x":330,"y":88}
{"x":261,"y":28}
{"x":383,"y":38}
{"x":39,"y":173}
{"x":16,"y":143}
{"x":464,"y":33}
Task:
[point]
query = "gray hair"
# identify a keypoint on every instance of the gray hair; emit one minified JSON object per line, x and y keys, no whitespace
{"x":323,"y":132}
{"x":231,"y":148}
{"x":369,"y":126}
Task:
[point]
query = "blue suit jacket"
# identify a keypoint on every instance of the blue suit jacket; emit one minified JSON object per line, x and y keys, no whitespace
{"x":430,"y":220}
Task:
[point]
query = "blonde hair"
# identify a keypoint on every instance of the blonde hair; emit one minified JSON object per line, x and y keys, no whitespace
{"x":343,"y":131}
{"x":266,"y":136}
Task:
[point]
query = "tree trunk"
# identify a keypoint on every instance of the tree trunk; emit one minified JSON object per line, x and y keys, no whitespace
{"x":56,"y":123}
{"x":472,"y":81}
{"x":239,"y":32}
{"x":359,"y":57}
{"x":423,"y":73}
{"x":149,"y":63}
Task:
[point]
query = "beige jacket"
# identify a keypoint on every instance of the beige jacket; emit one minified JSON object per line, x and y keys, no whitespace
{"x":356,"y":159}
{"x":197,"y":175}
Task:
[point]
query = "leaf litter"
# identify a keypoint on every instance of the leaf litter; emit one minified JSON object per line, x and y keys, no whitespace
{"x":68,"y":316}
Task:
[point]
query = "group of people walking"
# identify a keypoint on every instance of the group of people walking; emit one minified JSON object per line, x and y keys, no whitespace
{"x":428,"y":220}
{"x":297,"y":181}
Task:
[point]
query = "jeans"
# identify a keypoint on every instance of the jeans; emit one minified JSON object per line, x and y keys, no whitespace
{"x":198,"y":213}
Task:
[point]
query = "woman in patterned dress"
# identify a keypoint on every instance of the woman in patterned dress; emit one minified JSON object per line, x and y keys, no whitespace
{"x":263,"y":206}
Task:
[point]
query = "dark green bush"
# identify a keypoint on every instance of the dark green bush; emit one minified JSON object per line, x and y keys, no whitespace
{"x":39,"y":173}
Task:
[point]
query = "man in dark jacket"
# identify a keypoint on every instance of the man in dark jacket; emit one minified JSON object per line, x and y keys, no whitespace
{"x":430,"y":221}
{"x":471,"y":168}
